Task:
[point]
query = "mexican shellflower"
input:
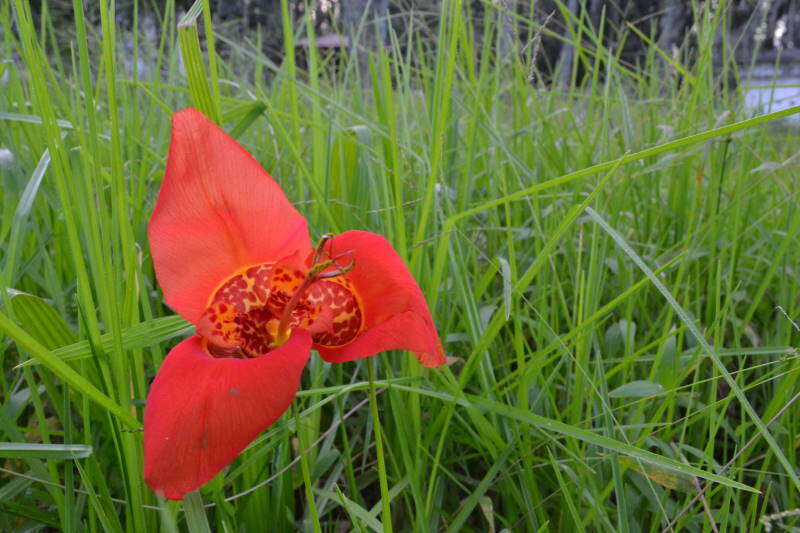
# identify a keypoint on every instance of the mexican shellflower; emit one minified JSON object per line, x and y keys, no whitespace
{"x":234,"y":257}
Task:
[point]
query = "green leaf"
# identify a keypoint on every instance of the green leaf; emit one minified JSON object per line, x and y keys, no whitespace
{"x":41,"y":320}
{"x":577,"y":521}
{"x":346,"y":144}
{"x":82,"y":385}
{"x":19,"y":223}
{"x":666,"y":478}
{"x":17,"y":401}
{"x":247,"y":114}
{"x":8,"y":508}
{"x":475,"y":496}
{"x":190,"y":18}
{"x":31,"y":119}
{"x":196,"y":74}
{"x":141,"y":335}
{"x":618,"y":336}
{"x":196,"y":519}
{"x":637,"y":389}
{"x":505,"y":271}
{"x":27,"y":450}
{"x":354,"y":510}
{"x":31,"y":189}
{"x":103,"y":508}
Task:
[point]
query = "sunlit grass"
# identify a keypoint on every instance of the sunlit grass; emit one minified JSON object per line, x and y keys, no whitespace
{"x":580,"y":394}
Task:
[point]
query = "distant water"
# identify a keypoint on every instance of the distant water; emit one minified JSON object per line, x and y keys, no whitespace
{"x":765,"y":92}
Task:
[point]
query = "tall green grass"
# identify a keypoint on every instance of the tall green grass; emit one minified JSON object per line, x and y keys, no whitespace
{"x":612,"y":267}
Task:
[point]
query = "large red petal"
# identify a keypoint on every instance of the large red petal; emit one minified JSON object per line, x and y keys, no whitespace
{"x":202,"y":411}
{"x":396,"y":316}
{"x":217,"y":211}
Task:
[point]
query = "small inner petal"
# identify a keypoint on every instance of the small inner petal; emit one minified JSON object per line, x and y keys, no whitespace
{"x":243,"y":316}
{"x":245,"y":290}
{"x":218,"y":325}
{"x":346,"y":318}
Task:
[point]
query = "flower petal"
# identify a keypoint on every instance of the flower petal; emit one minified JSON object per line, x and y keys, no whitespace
{"x":396,"y":316}
{"x":202,"y":411}
{"x":217,"y":211}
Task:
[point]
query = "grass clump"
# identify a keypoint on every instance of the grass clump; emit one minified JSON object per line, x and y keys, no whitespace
{"x":611,"y":265}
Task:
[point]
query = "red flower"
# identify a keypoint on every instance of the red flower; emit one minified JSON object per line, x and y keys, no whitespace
{"x":233,"y":256}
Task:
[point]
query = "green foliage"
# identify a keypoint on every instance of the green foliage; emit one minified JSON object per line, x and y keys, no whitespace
{"x":22,"y":450}
{"x":604,"y":262}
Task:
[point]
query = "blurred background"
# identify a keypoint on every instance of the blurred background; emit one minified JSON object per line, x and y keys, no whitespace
{"x":760,"y":36}
{"x":760,"y":31}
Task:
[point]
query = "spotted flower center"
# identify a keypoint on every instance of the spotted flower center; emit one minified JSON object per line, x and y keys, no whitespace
{"x":255,"y":310}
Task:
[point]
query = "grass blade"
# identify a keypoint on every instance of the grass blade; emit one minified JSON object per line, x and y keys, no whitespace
{"x":26,"y":450}
{"x":196,"y":519}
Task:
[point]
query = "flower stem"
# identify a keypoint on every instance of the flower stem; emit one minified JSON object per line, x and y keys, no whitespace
{"x":301,"y":450}
{"x":386,"y":515}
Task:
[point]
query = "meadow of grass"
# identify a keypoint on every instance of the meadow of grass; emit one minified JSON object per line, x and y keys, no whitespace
{"x":611,"y":266}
